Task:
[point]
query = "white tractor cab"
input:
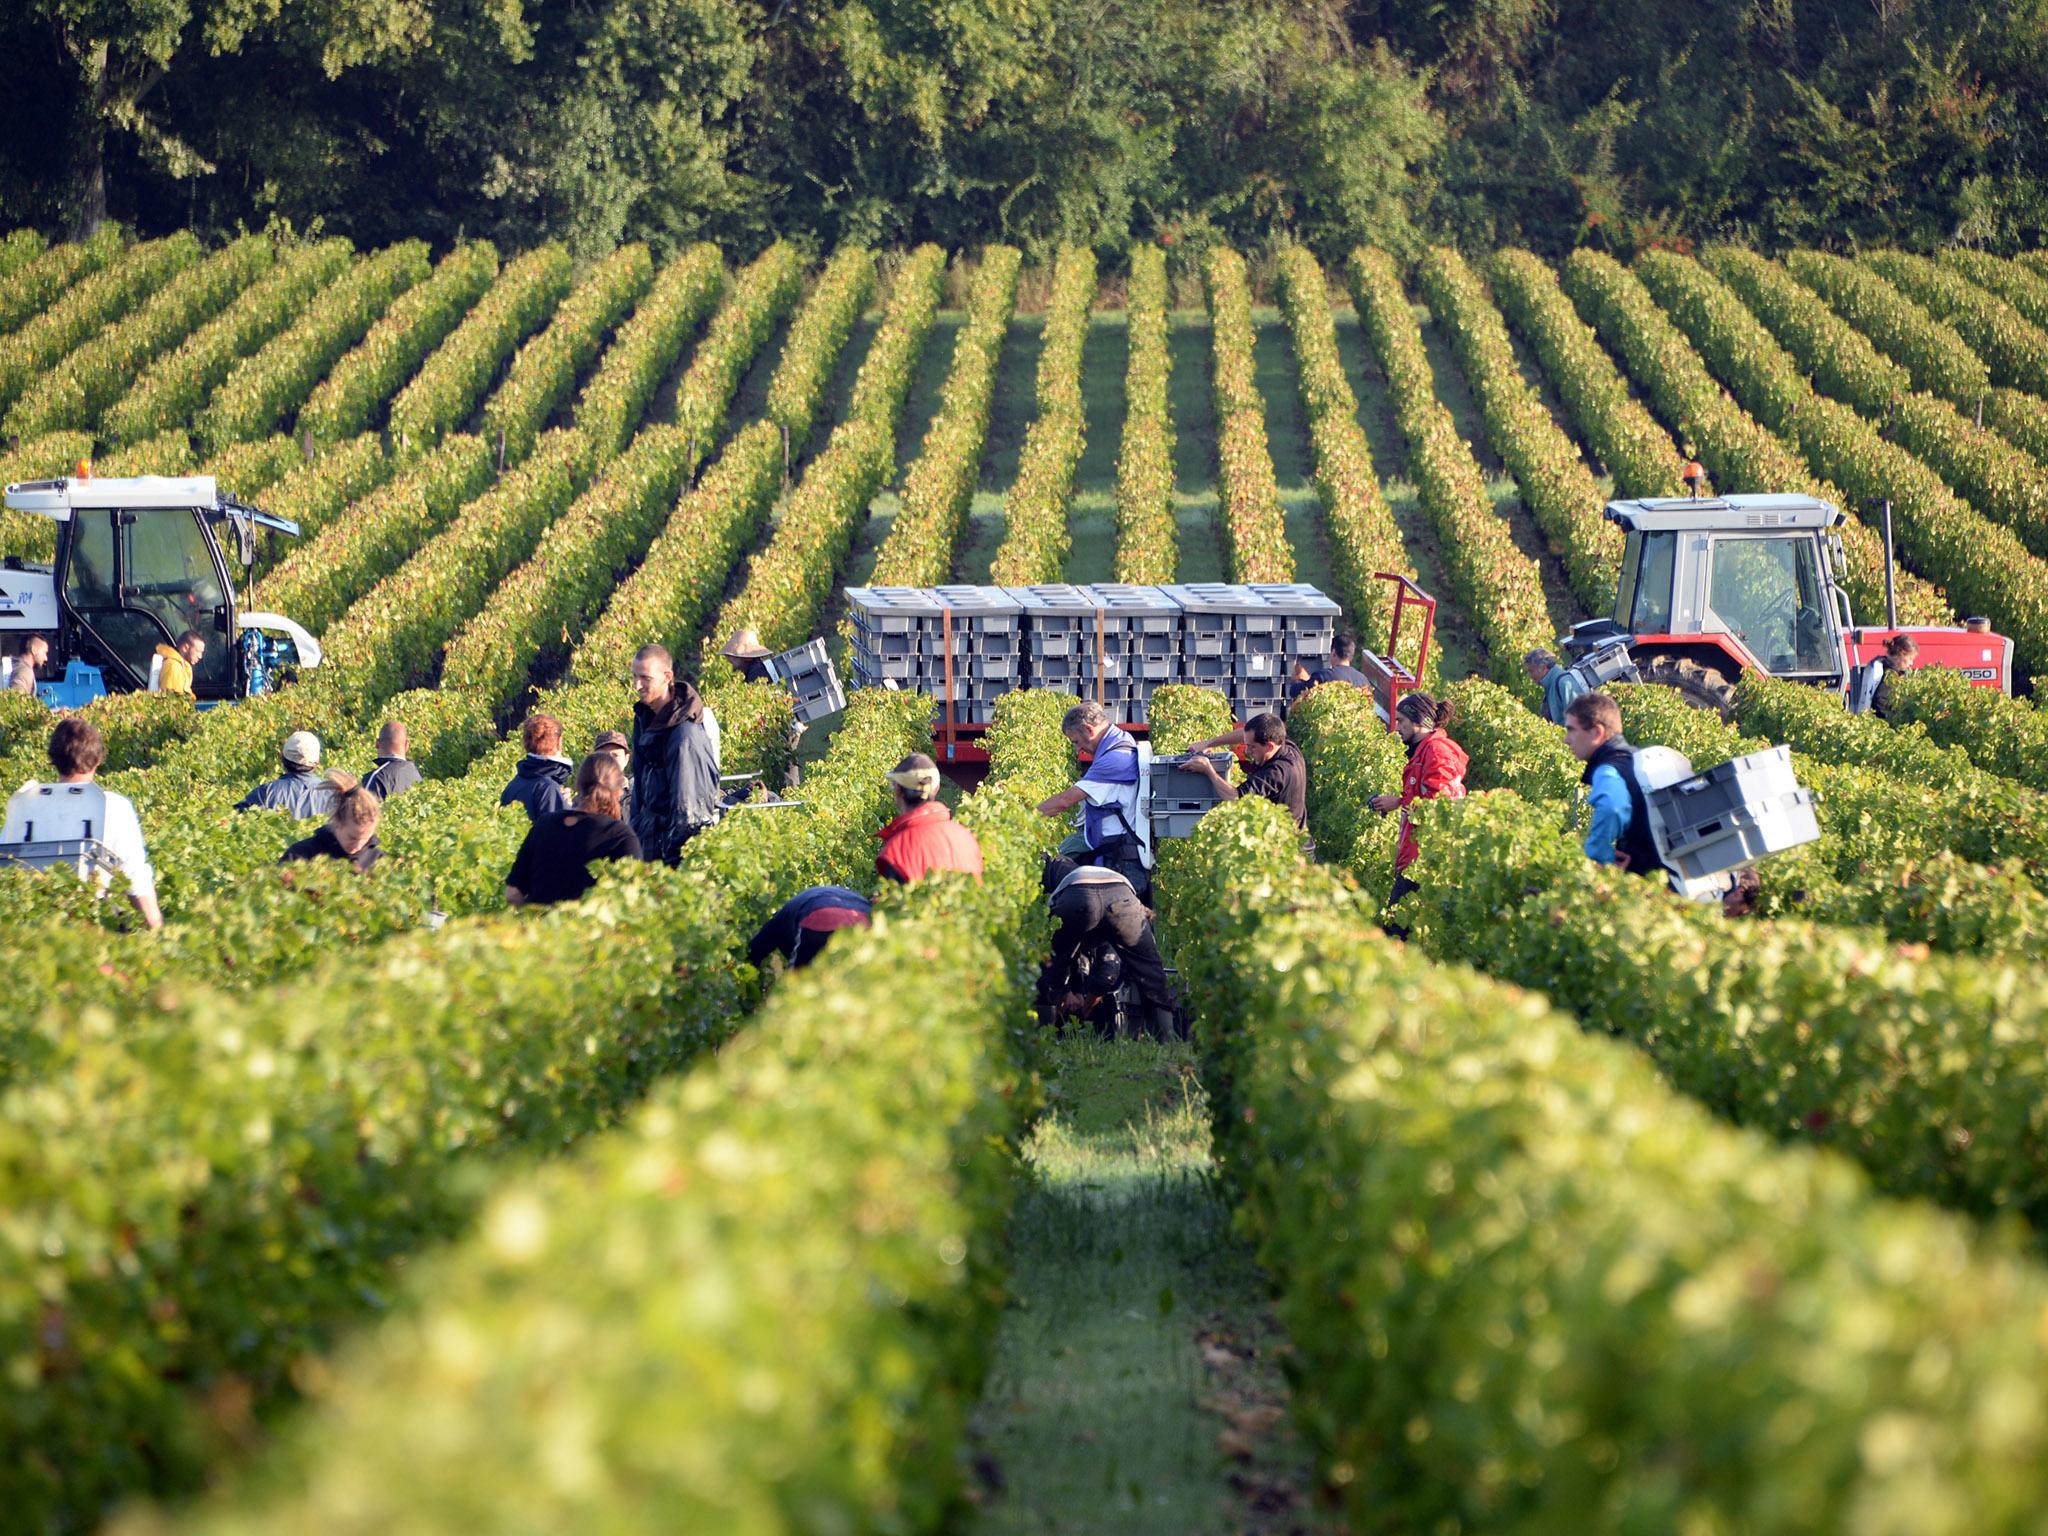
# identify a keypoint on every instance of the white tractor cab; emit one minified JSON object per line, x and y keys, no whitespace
{"x":139,"y":562}
{"x":1711,"y":585}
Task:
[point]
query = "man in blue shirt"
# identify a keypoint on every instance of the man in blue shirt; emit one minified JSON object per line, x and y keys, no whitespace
{"x":1107,"y":792}
{"x":1620,"y":832}
{"x":1560,"y":686}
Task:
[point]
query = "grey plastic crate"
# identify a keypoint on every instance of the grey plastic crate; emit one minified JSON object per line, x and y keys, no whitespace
{"x":1138,"y":610}
{"x":1304,"y":606}
{"x":1166,"y":824}
{"x":1179,"y":786}
{"x":1211,"y":607}
{"x":987,"y":610}
{"x":1747,"y":833}
{"x":1693,"y":808}
{"x":892,"y":610}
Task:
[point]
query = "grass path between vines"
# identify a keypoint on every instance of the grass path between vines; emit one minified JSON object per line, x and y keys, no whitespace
{"x":1459,"y":651}
{"x":1091,"y":516}
{"x":1197,"y":505}
{"x":1293,"y":454}
{"x":1136,"y":1387}
{"x":1456,"y":393}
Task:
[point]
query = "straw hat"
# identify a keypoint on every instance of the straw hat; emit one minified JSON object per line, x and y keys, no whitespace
{"x":745,"y":645}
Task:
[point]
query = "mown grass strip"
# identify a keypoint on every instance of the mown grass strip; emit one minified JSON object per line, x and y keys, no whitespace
{"x":1496,"y":584}
{"x":1556,"y":485}
{"x":937,"y":488}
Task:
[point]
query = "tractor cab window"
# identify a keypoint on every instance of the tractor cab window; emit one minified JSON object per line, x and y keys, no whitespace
{"x":1768,"y":593}
{"x":89,"y":577}
{"x":1642,"y":603}
{"x":172,"y":576}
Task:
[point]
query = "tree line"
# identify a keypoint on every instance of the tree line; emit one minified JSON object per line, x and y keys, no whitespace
{"x":1550,"y":123}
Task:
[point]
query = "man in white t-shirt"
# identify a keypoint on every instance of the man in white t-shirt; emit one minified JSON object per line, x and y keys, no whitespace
{"x":75,"y":808}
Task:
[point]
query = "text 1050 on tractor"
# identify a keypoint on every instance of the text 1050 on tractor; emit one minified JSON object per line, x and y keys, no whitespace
{"x":138,"y":563}
{"x":1711,"y":585}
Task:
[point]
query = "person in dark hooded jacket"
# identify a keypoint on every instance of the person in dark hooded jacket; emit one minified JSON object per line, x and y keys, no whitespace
{"x":675,"y":758}
{"x":539,"y":782}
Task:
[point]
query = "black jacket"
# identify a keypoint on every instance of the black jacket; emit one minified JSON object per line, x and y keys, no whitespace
{"x":539,"y":785}
{"x":325,"y":845}
{"x":392,"y":776}
{"x":1638,"y":842}
{"x":675,"y":774}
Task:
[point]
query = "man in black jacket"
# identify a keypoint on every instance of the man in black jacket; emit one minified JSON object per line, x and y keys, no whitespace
{"x":675,"y":759}
{"x":1094,"y":907}
{"x":539,"y":783}
{"x":395,"y":773}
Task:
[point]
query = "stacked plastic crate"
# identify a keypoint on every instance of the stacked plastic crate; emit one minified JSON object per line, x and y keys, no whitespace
{"x":1115,"y":643}
{"x":901,"y":637}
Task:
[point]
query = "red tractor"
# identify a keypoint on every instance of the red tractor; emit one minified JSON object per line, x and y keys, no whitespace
{"x":1711,"y":585}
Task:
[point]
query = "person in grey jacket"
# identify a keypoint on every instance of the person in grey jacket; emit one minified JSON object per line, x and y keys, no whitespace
{"x":1559,"y":683}
{"x":675,"y":759}
{"x":541,"y":780}
{"x":300,"y":789}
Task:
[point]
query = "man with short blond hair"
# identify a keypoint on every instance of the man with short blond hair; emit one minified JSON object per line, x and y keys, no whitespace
{"x":675,"y":758}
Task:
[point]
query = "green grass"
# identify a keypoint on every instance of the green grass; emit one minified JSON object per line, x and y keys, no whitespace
{"x":1456,"y":394}
{"x":1137,"y":1324}
{"x":1091,"y":517}
{"x":1459,"y":652}
{"x":1293,"y":454}
{"x":1011,"y":410}
{"x":1197,"y":506}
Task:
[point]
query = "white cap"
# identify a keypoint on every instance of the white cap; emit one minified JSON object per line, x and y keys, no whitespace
{"x":301,"y":749}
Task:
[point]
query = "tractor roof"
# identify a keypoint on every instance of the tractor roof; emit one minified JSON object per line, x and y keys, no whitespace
{"x":1726,"y":514}
{"x":60,"y":498}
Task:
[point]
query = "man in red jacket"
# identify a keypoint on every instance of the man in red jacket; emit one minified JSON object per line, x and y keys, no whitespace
{"x":924,"y":838}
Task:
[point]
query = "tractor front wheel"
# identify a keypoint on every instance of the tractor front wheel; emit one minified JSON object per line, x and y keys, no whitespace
{"x":1700,"y":686}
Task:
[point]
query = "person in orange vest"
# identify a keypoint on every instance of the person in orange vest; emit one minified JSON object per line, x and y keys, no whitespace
{"x":1692,"y":474}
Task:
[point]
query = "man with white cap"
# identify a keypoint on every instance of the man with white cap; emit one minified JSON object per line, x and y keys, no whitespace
{"x":299,"y":790}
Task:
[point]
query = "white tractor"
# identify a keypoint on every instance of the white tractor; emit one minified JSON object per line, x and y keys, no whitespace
{"x":139,"y":562}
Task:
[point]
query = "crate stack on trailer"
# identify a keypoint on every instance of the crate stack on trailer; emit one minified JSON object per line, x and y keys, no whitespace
{"x":1114,"y":643}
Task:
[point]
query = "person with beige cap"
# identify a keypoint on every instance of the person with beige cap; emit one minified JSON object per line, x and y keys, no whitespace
{"x":748,"y":655}
{"x":300,"y":790}
{"x":924,"y":839}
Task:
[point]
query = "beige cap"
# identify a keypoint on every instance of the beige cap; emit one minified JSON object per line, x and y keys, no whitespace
{"x":301,"y":749}
{"x":744,"y":645}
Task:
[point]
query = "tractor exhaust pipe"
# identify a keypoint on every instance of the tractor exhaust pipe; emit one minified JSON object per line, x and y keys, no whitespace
{"x":1891,"y":594}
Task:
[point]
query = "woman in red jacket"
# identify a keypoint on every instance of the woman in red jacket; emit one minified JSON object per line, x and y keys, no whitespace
{"x":1435,"y":771}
